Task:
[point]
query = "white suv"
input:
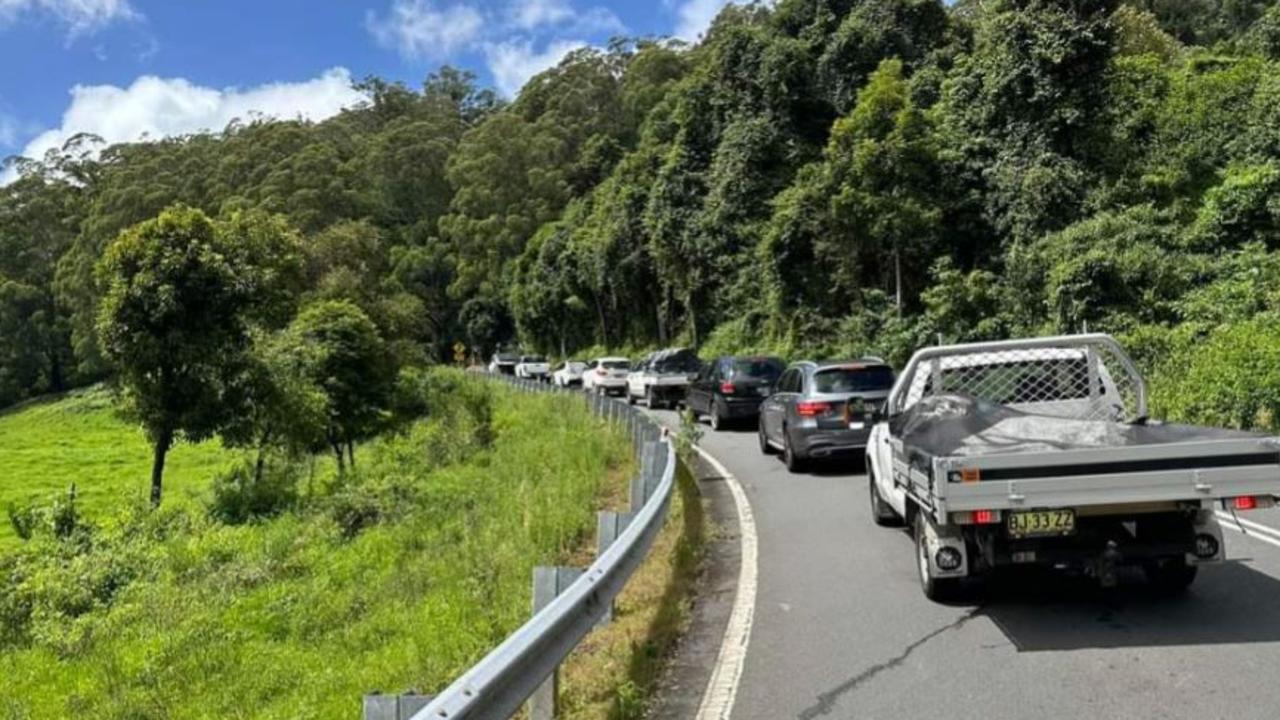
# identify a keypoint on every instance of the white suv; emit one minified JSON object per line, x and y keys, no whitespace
{"x":569,"y":373}
{"x":606,"y":376}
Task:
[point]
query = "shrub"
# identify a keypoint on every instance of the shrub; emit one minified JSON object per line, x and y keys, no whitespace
{"x":238,"y":497}
{"x":1231,"y":379}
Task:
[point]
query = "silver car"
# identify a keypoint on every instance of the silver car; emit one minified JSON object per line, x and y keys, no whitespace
{"x":823,"y":410}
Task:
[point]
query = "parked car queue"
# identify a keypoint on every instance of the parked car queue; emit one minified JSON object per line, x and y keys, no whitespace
{"x":804,"y":411}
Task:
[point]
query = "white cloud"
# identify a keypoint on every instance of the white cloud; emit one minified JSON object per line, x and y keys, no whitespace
{"x":513,"y":63}
{"x":161,"y":107}
{"x":529,"y":14}
{"x":81,"y":17}
{"x":693,"y":17}
{"x":416,"y":29}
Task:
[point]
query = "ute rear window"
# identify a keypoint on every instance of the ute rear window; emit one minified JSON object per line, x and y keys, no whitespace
{"x":685,"y":363}
{"x":534,"y":359}
{"x":757,"y":368}
{"x":851,"y":379}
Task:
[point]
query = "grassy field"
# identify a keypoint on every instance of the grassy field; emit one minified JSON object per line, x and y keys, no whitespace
{"x":400,"y":577}
{"x":79,"y":439}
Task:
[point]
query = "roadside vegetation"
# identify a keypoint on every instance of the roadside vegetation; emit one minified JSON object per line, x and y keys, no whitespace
{"x":79,"y":441}
{"x":395,"y":575}
{"x":814,"y":177}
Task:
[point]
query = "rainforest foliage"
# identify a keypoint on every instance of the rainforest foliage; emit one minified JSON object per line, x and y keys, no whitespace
{"x":813,"y":177}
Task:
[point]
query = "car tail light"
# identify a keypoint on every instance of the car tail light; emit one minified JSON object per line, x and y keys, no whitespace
{"x":601,"y":372}
{"x":812,"y":409}
{"x":727,"y":388}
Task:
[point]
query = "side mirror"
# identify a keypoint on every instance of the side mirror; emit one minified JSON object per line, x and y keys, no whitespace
{"x":880,"y":413}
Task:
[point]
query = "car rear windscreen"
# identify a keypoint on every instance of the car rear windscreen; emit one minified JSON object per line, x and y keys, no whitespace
{"x":756,"y":368}
{"x":616,"y":364}
{"x":853,"y":379}
{"x":534,"y":359}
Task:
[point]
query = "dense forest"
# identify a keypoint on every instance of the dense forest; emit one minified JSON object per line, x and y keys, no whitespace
{"x":814,"y":177}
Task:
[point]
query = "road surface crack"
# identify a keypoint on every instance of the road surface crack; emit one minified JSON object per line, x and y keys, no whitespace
{"x":827,"y":700}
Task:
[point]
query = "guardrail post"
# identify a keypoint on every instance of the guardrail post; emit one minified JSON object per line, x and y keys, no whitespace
{"x":548,"y":582}
{"x":393,"y":707}
{"x":609,"y":525}
{"x":652,"y":464}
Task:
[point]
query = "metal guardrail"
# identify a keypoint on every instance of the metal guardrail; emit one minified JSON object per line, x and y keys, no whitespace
{"x":497,"y":685}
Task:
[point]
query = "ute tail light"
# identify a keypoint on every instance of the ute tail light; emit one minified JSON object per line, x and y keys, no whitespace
{"x":976,"y":517}
{"x":728,"y":388}
{"x":812,"y":409}
{"x":1252,"y":502}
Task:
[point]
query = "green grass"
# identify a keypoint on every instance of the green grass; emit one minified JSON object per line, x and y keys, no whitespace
{"x":172,"y":615}
{"x":79,"y":439}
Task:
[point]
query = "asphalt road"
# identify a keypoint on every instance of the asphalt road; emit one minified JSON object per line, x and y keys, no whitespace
{"x":842,"y":630}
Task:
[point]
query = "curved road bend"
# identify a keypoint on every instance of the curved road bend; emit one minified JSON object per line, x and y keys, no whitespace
{"x":841,"y":629}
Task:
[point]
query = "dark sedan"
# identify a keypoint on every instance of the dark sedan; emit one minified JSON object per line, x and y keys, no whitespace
{"x":732,"y":388}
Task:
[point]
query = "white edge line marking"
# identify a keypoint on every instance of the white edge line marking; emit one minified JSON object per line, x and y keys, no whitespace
{"x":722,"y":687}
{"x":1268,"y":535}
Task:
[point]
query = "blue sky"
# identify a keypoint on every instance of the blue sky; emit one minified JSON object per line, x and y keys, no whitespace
{"x":124,"y":68}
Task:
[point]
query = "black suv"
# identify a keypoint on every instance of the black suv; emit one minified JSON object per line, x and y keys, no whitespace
{"x":732,"y":388}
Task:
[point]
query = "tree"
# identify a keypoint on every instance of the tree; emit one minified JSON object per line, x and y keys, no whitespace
{"x":349,"y":362}
{"x":181,"y":292}
{"x":280,"y":404}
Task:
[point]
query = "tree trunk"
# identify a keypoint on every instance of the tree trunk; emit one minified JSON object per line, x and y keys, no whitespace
{"x":342,"y":465}
{"x":351,"y":454}
{"x":693,"y":318}
{"x":57,"y":379}
{"x":162,"y":445}
{"x":262,"y":457}
{"x":897,"y":278}
{"x":604,"y":326}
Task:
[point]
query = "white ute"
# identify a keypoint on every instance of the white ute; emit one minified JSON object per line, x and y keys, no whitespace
{"x":533,"y":367}
{"x":1039,"y":452}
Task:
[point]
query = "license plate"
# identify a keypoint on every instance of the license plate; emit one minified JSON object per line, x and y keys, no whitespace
{"x":857,"y":425}
{"x":1041,"y":523}
{"x":763,"y":390}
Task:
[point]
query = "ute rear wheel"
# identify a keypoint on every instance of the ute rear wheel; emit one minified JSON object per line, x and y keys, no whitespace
{"x":881,"y":512}
{"x":936,"y":589}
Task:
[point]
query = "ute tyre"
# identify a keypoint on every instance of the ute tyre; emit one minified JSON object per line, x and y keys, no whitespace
{"x":631,"y":399}
{"x":936,"y":589}
{"x":650,"y":398}
{"x":1170,"y":577}
{"x":881,"y":512}
{"x":765,"y":447}
{"x":793,"y":461}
